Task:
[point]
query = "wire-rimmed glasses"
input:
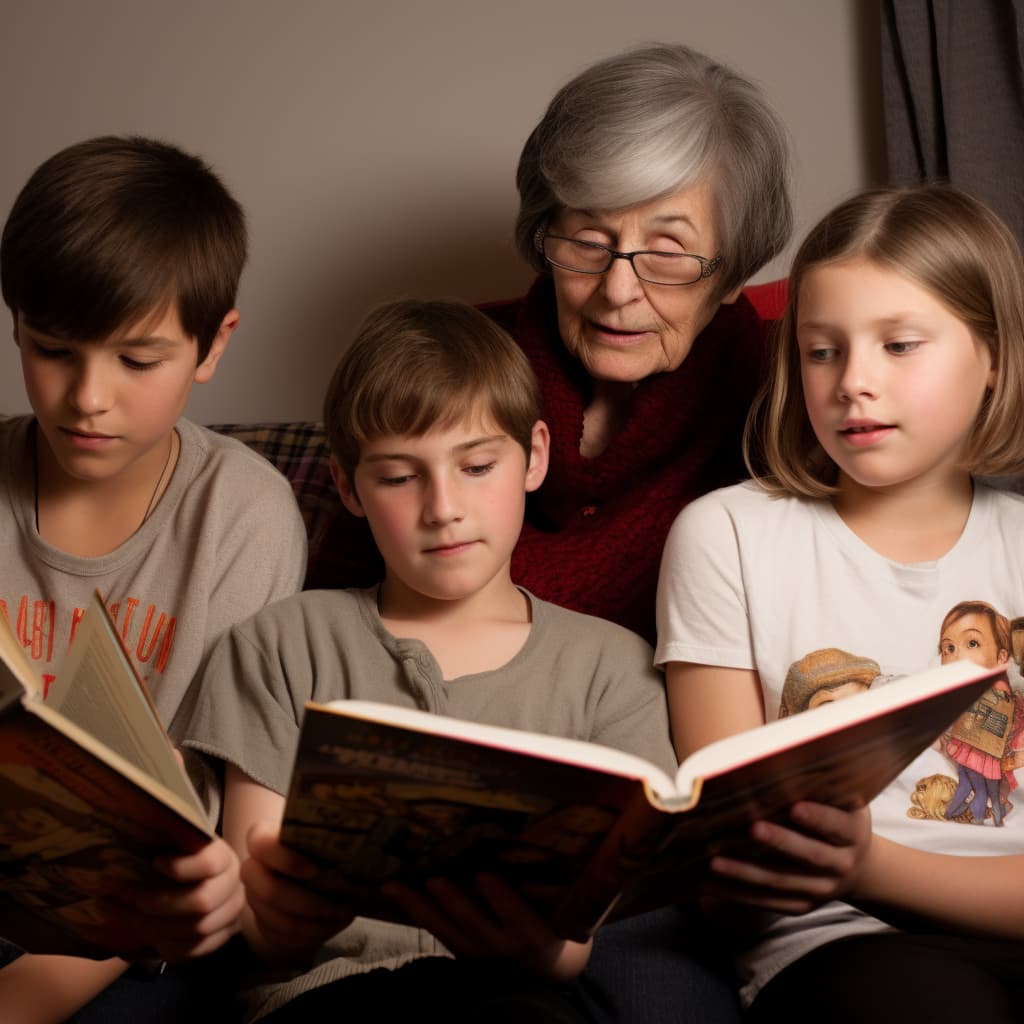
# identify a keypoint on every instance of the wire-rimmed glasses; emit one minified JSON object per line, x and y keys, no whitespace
{"x":667,"y":268}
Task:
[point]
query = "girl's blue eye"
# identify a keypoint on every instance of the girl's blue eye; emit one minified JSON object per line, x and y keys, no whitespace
{"x":820,"y":355}
{"x":395,"y":481}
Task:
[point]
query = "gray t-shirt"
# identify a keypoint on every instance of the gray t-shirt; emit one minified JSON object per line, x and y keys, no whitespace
{"x":225,"y":539}
{"x":576,"y":676}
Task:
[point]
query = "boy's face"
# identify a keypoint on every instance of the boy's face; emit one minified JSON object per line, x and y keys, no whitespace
{"x":445,"y":509}
{"x":105,"y":408}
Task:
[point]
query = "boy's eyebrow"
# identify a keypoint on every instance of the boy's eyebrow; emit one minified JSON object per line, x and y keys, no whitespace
{"x":140,"y":341}
{"x":148,"y":341}
{"x":465,"y":446}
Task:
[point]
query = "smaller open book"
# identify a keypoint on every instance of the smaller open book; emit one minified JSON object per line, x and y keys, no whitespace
{"x":586,"y":833}
{"x":90,"y":789}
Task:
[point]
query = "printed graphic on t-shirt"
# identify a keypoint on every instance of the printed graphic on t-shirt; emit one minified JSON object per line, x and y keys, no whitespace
{"x":985,"y":743}
{"x":824,"y":676}
{"x":983,"y":748}
{"x":46,"y":631}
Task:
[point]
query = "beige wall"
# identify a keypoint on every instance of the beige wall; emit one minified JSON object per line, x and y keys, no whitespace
{"x":374,"y":144}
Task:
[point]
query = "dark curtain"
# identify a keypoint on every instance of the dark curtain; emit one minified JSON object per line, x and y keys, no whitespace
{"x":953,"y":89}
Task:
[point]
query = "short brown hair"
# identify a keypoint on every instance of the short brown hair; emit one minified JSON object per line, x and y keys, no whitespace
{"x":958,"y":250}
{"x":416,"y":365}
{"x":110,"y":230}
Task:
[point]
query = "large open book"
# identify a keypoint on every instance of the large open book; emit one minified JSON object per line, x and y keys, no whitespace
{"x":587,"y":833}
{"x":90,"y":789}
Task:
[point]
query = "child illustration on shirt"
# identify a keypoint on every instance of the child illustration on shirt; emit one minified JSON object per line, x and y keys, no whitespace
{"x":979,"y":738}
{"x":824,"y":676}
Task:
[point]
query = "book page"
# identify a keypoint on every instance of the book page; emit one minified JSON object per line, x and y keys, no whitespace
{"x":557,"y":748}
{"x":11,"y":687}
{"x":98,"y":690}
{"x":17,"y":676}
{"x":841,"y":754}
{"x":82,"y":747}
{"x":924,"y":690}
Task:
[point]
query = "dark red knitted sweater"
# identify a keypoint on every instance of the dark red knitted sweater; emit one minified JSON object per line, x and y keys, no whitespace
{"x":594,"y":531}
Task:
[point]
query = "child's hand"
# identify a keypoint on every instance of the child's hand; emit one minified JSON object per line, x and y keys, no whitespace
{"x":196,"y":912}
{"x":816,"y":862}
{"x":291,"y":919}
{"x":490,"y":921}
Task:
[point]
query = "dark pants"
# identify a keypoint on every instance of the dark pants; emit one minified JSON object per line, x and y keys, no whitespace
{"x":438,"y":988}
{"x":660,"y":968}
{"x":645,"y":970}
{"x":664,"y":968}
{"x":899,"y":977}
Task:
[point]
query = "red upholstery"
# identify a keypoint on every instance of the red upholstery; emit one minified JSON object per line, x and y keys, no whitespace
{"x":769,"y":299}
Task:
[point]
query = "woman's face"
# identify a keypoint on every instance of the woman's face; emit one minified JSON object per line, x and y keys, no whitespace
{"x":622,"y":328}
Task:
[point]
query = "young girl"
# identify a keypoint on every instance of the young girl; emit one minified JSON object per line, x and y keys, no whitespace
{"x":899,"y":376}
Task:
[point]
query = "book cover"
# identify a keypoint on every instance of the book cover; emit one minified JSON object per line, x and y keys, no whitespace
{"x":74,"y":811}
{"x":381,"y":793}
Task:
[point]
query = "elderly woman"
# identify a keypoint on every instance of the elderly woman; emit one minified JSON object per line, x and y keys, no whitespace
{"x":652,"y":189}
{"x":654,"y":186}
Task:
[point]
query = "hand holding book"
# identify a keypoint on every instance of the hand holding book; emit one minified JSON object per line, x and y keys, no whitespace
{"x":292,"y":917}
{"x":488,"y":919}
{"x":104,"y":845}
{"x":194,"y":913}
{"x":809,"y":860}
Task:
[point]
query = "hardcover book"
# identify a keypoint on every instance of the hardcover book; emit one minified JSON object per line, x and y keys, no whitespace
{"x":90,"y":789}
{"x":585,"y":832}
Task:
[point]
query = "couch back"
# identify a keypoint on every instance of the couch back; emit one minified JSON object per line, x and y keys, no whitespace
{"x":299,"y":450}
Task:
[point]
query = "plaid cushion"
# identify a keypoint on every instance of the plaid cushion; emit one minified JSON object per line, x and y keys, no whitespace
{"x":299,"y":451}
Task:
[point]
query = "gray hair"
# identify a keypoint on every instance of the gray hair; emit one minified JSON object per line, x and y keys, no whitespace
{"x":643,"y":124}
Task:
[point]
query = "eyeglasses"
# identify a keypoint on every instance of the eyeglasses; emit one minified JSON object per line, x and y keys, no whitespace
{"x":668,"y":268}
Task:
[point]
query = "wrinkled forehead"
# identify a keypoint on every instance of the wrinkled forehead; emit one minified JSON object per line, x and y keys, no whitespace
{"x":691,"y":209}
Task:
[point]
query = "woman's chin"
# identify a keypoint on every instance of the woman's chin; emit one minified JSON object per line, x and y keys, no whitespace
{"x":624,"y":366}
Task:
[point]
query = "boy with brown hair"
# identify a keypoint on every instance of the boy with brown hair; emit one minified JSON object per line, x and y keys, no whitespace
{"x":120,"y":262}
{"x":433,"y":421}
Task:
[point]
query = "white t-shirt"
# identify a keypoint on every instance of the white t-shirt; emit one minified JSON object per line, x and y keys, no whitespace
{"x":783,"y":586}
